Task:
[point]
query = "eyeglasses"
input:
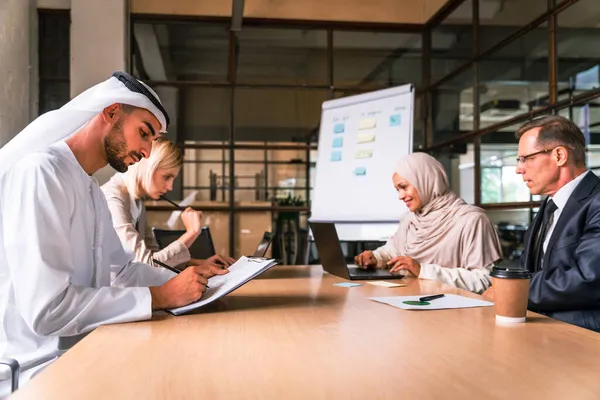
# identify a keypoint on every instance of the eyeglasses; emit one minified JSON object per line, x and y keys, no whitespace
{"x":523,"y":159}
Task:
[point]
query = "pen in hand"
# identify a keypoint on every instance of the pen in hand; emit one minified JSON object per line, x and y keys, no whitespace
{"x":433,"y":297}
{"x":169,"y":268}
{"x":166,"y":266}
{"x":173,"y":203}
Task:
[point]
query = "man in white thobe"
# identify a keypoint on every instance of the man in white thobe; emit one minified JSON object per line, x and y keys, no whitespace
{"x":59,"y":252}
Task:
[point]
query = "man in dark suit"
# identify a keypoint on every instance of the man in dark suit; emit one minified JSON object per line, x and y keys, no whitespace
{"x":562,"y":245}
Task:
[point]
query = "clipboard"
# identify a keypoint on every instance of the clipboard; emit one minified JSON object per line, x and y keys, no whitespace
{"x":241,"y":272}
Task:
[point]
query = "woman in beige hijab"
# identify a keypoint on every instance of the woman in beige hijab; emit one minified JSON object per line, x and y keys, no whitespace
{"x":442,"y":238}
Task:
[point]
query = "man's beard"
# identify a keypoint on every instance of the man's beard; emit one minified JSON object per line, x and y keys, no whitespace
{"x":115,"y":147}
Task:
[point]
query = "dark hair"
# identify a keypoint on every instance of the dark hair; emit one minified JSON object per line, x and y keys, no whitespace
{"x":557,"y":130}
{"x":127,"y":108}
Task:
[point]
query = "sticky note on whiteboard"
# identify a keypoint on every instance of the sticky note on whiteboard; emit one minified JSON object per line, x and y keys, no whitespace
{"x":367,"y":123}
{"x":364,"y":153}
{"x":338,"y":128}
{"x":395,"y":120}
{"x":336,"y":156}
{"x":338,"y":142}
{"x":359,"y":171}
{"x":365,"y":137}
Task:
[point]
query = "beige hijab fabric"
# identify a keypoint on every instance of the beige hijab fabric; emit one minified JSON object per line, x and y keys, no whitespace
{"x":446,"y":231}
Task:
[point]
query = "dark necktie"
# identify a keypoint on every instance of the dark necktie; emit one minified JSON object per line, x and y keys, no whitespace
{"x":547,"y":220}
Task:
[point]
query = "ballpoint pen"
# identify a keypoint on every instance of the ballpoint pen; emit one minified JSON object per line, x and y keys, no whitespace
{"x":170,"y":268}
{"x":433,"y":297}
{"x":173,"y":203}
{"x":166,"y":266}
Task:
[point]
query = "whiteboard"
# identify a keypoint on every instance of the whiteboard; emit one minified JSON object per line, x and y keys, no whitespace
{"x":361,"y":138}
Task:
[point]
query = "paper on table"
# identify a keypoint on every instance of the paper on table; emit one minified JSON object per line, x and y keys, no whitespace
{"x":184,"y":203}
{"x":240,"y":272}
{"x":347,"y":284}
{"x":448,"y":301}
{"x":386,"y":284}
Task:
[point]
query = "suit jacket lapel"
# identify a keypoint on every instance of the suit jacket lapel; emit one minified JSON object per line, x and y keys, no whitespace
{"x":582,"y":192}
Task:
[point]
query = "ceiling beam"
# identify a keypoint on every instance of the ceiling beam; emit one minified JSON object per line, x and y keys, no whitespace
{"x":237,"y":15}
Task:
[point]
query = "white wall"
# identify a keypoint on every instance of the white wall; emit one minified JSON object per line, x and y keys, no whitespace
{"x":15,"y":62}
{"x":99,"y":46}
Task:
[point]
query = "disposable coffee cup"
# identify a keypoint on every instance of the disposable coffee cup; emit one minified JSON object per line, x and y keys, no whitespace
{"x":511,"y":293}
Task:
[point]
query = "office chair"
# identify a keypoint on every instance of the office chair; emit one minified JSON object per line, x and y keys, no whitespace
{"x":202,"y":248}
{"x":14,"y":367}
{"x":165,"y":237}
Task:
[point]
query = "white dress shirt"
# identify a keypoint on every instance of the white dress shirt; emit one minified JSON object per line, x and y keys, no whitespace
{"x":129,"y":220}
{"x":560,"y":199}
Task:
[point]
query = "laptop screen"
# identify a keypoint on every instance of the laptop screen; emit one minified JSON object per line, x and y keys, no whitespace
{"x":263,"y":245}
{"x":329,"y":248}
{"x":202,"y":248}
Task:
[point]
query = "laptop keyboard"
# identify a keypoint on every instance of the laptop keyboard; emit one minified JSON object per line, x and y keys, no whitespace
{"x":353,"y":270}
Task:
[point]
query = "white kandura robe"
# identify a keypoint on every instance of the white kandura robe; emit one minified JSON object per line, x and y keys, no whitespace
{"x":58,"y":255}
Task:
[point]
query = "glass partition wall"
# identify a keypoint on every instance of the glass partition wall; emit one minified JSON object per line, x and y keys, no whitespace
{"x":246,"y":110}
{"x":527,"y":59}
{"x":246,"y":105}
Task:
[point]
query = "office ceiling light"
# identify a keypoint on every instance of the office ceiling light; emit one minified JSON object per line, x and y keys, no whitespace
{"x":496,"y":110}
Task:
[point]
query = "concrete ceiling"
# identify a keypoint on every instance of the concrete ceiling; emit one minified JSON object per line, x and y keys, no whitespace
{"x":364,"y":11}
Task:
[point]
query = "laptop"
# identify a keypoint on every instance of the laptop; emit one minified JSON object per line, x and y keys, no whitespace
{"x":263,"y":245}
{"x":202,"y":248}
{"x":332,"y":256}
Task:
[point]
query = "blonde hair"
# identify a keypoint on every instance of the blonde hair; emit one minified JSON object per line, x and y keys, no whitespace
{"x":165,"y":155}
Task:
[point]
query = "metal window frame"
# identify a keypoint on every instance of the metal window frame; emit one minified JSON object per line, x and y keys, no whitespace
{"x":554,"y":7}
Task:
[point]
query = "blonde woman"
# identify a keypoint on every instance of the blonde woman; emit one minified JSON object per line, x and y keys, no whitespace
{"x":151,"y":178}
{"x":442,"y":238}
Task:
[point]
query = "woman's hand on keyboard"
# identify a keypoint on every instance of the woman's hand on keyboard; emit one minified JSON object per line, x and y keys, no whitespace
{"x":366,"y":259}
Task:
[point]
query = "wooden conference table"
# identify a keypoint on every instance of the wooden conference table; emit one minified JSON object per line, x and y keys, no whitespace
{"x":290,"y":334}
